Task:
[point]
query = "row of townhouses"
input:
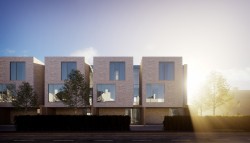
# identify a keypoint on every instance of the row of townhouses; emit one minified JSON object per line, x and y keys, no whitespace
{"x":146,"y":92}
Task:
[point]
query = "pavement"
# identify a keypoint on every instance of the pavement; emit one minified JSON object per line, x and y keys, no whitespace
{"x":10,"y":128}
{"x":7,"y":128}
{"x":138,"y":134}
{"x":146,"y":127}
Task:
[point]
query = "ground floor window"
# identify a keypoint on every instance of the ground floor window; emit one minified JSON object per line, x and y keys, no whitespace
{"x":105,"y":92}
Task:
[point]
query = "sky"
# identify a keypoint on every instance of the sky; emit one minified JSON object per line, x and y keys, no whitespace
{"x":210,"y":35}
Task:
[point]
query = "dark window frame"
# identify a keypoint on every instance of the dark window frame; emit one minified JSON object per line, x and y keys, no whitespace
{"x":67,"y":69}
{"x":164,"y":71}
{"x":119,"y":66}
{"x":15,"y":70}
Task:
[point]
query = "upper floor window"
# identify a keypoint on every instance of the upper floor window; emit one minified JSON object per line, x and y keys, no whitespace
{"x":155,"y":92}
{"x":166,"y":71}
{"x":67,"y":67}
{"x":17,"y":70}
{"x":136,"y":72}
{"x":117,"y":71}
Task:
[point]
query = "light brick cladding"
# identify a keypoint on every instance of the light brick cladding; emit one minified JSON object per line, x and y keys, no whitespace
{"x":53,"y":74}
{"x":124,"y":88}
{"x":173,"y":88}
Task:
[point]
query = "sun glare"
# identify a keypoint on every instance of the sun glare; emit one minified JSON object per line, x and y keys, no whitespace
{"x":194,"y":82}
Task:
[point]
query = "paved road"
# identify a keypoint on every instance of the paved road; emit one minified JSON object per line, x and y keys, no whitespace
{"x":126,"y":137}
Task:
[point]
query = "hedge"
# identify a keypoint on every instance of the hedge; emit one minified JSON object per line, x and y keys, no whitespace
{"x":207,"y":123}
{"x":72,"y":123}
{"x":178,"y":123}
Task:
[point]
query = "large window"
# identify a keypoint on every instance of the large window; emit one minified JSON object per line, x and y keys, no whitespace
{"x":67,"y":67}
{"x":53,"y":90}
{"x":7,"y":92}
{"x":117,"y":71}
{"x":105,"y":92}
{"x":136,"y":72}
{"x":166,"y":70}
{"x":17,"y":70}
{"x":155,"y":93}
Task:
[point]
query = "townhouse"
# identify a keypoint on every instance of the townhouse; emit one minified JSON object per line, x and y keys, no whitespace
{"x":57,"y":70}
{"x":146,"y":92}
{"x":163,"y":91}
{"x":14,"y":71}
{"x":112,"y":85}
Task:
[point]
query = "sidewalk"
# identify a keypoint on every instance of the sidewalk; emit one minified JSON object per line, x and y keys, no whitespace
{"x":7,"y":128}
{"x":132,"y":128}
{"x":146,"y":127}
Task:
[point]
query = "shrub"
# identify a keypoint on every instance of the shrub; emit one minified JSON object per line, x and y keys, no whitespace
{"x":206,"y":123}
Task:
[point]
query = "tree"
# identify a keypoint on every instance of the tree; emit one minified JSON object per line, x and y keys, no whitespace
{"x":216,"y":91}
{"x":25,"y":97}
{"x":75,"y":92}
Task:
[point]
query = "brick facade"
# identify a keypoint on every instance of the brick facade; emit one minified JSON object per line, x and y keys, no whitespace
{"x":124,"y":88}
{"x":34,"y":74}
{"x":173,"y":88}
{"x":40,"y":76}
{"x":53,"y":74}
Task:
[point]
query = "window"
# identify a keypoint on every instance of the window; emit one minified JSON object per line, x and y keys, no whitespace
{"x":155,"y":93}
{"x":7,"y":92}
{"x":105,"y":92}
{"x":117,"y":71}
{"x":136,"y":72}
{"x":17,"y":70}
{"x":53,"y":90}
{"x":166,"y":70}
{"x":136,"y":94}
{"x":67,"y":67}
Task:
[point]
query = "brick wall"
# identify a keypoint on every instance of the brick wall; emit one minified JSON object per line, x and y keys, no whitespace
{"x":124,"y":88}
{"x":30,"y":73}
{"x":173,"y":89}
{"x":53,"y":74}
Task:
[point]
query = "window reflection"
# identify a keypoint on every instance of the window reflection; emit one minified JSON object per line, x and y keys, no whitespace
{"x":117,"y":71}
{"x":155,"y":93}
{"x":166,"y":70}
{"x":53,"y":90}
{"x":66,"y":68}
{"x":7,"y":91}
{"x":136,"y":72}
{"x":105,"y":92}
{"x":17,"y":70}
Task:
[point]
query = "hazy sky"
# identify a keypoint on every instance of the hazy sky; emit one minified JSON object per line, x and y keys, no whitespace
{"x":208,"y":34}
